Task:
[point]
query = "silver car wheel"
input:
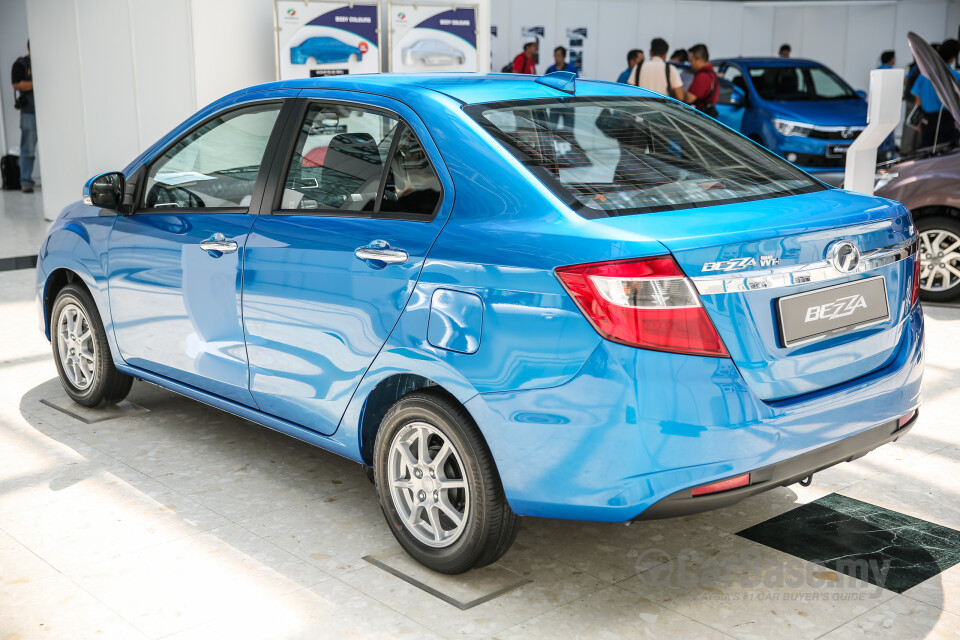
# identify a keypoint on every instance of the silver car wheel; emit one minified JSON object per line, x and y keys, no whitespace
{"x":939,"y":260}
{"x":75,"y":346}
{"x":428,"y":484}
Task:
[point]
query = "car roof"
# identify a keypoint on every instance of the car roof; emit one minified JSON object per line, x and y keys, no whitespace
{"x":771,"y":62}
{"x":468,"y":88}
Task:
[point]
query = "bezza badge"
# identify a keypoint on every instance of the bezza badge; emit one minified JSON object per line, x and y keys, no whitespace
{"x":739,"y":264}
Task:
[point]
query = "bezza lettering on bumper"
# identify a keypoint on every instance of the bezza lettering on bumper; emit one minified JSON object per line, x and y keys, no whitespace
{"x":839,"y":308}
{"x":739,"y":264}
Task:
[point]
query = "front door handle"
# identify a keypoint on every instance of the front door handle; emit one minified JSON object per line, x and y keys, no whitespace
{"x":380,"y":251}
{"x":217,"y":245}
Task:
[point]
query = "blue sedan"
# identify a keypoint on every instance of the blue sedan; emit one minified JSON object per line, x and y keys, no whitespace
{"x":523,"y":297}
{"x":798,"y":109}
{"x":324,"y":50}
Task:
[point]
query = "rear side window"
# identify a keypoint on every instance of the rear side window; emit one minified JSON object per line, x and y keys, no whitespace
{"x":412,"y":185}
{"x":616,"y":156}
{"x":339,"y":159}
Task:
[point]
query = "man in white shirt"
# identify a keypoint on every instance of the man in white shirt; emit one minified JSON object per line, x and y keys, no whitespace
{"x":655,"y":73}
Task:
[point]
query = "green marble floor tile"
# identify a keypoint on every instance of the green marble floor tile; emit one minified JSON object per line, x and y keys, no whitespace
{"x":883,"y":547}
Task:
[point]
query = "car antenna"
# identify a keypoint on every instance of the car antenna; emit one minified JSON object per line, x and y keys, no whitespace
{"x":565,"y":81}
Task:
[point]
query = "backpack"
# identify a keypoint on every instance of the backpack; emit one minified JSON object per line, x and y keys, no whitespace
{"x":10,"y":172}
{"x":709,"y":107}
{"x":666,"y":71}
{"x":507,"y":68}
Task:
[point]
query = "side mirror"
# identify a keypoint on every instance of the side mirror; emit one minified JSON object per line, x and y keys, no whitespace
{"x":105,"y":190}
{"x":861,"y":93}
{"x":736,"y":99}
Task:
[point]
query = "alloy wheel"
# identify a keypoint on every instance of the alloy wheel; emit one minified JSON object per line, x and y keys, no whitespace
{"x":939,"y":260}
{"x":428,"y":484}
{"x":76,"y":347}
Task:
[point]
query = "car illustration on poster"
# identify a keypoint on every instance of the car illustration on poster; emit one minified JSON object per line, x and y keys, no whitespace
{"x":504,"y":295}
{"x":432,"y":53}
{"x":324,"y":50}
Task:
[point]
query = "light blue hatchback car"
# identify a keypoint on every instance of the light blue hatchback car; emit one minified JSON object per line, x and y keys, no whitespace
{"x":504,"y":295}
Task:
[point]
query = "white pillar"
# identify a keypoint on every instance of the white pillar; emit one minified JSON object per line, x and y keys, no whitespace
{"x":883,"y":116}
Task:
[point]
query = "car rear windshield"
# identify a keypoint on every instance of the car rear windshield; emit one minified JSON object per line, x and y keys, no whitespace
{"x":800,"y":83}
{"x":617,"y":156}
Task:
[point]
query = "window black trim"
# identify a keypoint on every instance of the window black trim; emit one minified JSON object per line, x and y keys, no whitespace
{"x":284,"y":156}
{"x":262,"y":174}
{"x":475,"y":111}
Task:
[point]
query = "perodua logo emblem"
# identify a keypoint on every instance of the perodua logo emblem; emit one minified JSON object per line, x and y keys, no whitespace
{"x":846,"y":134}
{"x":844,"y":256}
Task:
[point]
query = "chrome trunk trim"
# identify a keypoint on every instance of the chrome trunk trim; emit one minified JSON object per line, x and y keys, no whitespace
{"x":797,"y":274}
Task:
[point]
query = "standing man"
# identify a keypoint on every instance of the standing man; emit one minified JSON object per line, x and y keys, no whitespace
{"x":526,"y":62}
{"x":888,"y":59}
{"x":785,"y":50}
{"x":704,"y":91}
{"x":560,"y":62}
{"x":22,"y":77}
{"x":634,"y":57}
{"x":655,"y":74}
{"x":937,"y":124}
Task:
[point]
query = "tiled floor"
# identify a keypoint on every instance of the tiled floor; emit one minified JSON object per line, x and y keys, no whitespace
{"x":173,"y":520}
{"x":22,"y":226}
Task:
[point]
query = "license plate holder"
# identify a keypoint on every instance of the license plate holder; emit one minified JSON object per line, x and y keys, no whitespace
{"x":832,"y":311}
{"x":837,"y":150}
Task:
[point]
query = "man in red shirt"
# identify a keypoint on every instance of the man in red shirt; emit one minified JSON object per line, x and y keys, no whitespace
{"x":705,"y":88}
{"x":526,"y":62}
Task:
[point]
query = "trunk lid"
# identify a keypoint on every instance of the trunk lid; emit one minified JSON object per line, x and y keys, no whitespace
{"x":787,"y":236}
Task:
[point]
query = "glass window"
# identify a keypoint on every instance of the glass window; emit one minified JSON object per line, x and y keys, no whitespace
{"x":339,"y":159}
{"x":216,"y":165}
{"x":412,"y":184}
{"x":799,"y":83}
{"x":632,"y":155}
{"x":734,"y":76}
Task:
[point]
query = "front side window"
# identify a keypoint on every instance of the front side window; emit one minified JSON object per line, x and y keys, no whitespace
{"x":339,"y":159}
{"x":214,"y":166}
{"x":799,"y":83}
{"x":633,"y":155}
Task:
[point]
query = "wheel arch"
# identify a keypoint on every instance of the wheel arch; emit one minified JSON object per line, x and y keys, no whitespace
{"x":927,"y":211}
{"x":55,"y":282}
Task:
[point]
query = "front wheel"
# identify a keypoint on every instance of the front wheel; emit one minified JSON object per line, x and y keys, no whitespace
{"x":81,"y":352}
{"x":939,"y":258}
{"x":438,"y":486}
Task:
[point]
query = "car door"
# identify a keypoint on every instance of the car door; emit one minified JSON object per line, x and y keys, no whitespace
{"x":357,"y":201}
{"x":732,"y":101}
{"x":174,"y":264}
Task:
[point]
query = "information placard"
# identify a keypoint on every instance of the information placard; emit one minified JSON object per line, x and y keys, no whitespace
{"x":327,"y":38}
{"x":429,"y":37}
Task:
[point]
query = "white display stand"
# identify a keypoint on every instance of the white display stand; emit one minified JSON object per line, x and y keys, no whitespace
{"x":322,"y":38}
{"x":433,"y":37}
{"x":883,"y":116}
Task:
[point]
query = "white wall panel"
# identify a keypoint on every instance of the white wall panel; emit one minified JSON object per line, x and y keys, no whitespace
{"x":788,"y":29}
{"x":656,"y":20}
{"x":823,"y":35}
{"x":532,"y":14}
{"x":617,"y":35}
{"x":166,"y":93}
{"x":757,"y":36}
{"x":927,"y":19}
{"x":109,"y":98}
{"x":726,"y":29}
{"x":692,"y":22}
{"x":500,"y":18}
{"x":13,"y":44}
{"x":233,"y":46}
{"x":62,"y":138}
{"x":869,"y":32}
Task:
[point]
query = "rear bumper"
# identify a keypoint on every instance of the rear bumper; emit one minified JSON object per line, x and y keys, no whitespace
{"x":637,"y":428}
{"x":783,"y":473}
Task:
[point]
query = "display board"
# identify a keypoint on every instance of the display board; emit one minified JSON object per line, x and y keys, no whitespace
{"x":428,"y":37}
{"x":321,"y":38}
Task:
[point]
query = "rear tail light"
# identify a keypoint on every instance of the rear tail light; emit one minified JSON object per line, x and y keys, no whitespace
{"x":905,"y":419}
{"x":645,"y":303}
{"x":724,"y":485}
{"x":915,"y":292}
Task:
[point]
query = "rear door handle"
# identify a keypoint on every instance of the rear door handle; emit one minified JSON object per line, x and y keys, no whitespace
{"x":218,"y":244}
{"x":380,"y":251}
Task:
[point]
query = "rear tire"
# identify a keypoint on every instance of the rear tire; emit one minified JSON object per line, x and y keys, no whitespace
{"x":443,"y":502}
{"x":81,"y":351}
{"x":939,"y":239}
